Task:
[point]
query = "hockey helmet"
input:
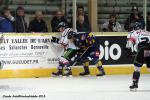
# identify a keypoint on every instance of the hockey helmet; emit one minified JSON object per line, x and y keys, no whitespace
{"x":71,"y":34}
{"x":137,"y":26}
{"x":62,"y":24}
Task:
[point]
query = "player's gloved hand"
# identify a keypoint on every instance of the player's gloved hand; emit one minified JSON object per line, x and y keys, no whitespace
{"x":74,"y":58}
{"x":55,"y":40}
{"x":90,"y":59}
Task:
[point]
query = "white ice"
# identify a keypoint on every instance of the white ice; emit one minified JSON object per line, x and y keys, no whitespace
{"x":110,"y":87}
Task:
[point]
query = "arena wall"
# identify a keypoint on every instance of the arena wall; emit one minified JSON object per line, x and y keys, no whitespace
{"x":33,"y":55}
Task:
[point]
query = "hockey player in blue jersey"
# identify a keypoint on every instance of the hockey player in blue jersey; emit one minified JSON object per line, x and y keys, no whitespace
{"x":87,"y":41}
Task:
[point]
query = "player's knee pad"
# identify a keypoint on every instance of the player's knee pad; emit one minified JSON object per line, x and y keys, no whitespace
{"x":137,"y":69}
{"x":86,"y":63}
{"x":99,"y":63}
{"x":84,"y":60}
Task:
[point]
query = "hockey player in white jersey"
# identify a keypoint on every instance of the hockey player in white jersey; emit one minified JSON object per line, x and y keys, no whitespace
{"x":140,"y":40}
{"x":70,"y":49}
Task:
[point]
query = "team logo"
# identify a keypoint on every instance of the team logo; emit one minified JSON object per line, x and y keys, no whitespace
{"x":110,"y":51}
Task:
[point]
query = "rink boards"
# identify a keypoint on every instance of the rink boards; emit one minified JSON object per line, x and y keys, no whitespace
{"x":33,"y":55}
{"x":46,"y":72}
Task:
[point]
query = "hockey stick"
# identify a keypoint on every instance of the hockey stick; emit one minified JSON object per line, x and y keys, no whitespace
{"x":76,"y":60}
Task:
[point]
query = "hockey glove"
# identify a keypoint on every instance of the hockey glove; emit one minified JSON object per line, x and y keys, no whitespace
{"x":55,"y":40}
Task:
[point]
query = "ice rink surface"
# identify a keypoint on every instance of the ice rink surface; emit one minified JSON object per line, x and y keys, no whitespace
{"x":110,"y":87}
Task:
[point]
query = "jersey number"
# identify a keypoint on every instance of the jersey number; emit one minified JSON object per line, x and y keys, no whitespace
{"x":145,"y":39}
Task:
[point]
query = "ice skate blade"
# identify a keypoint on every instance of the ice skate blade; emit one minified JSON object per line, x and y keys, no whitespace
{"x":56,"y":75}
{"x":85,"y":75}
{"x":98,"y":77}
{"x":133,"y":90}
{"x":67,"y":76}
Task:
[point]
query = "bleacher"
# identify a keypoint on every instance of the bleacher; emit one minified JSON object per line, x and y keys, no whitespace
{"x":121,"y":7}
{"x":47,"y":6}
{"x":105,"y":7}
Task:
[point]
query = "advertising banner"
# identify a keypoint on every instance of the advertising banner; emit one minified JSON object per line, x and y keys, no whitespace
{"x":31,"y":51}
{"x":113,"y":50}
{"x":37,"y":51}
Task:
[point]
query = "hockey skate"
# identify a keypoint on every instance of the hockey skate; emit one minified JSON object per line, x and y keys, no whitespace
{"x":134,"y":86}
{"x":59,"y":73}
{"x":84,"y":73}
{"x":101,"y":74}
{"x":67,"y":74}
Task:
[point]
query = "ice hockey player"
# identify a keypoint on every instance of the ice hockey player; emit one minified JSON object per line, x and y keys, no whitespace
{"x":140,"y":39}
{"x":87,"y":41}
{"x":70,"y":49}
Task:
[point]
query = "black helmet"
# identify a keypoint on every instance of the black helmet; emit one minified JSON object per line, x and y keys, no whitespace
{"x":71,"y":34}
{"x":137,"y":26}
{"x":62,"y":24}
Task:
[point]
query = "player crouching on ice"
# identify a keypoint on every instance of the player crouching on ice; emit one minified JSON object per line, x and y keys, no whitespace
{"x":140,"y":39}
{"x":70,"y":49}
{"x":87,"y":42}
